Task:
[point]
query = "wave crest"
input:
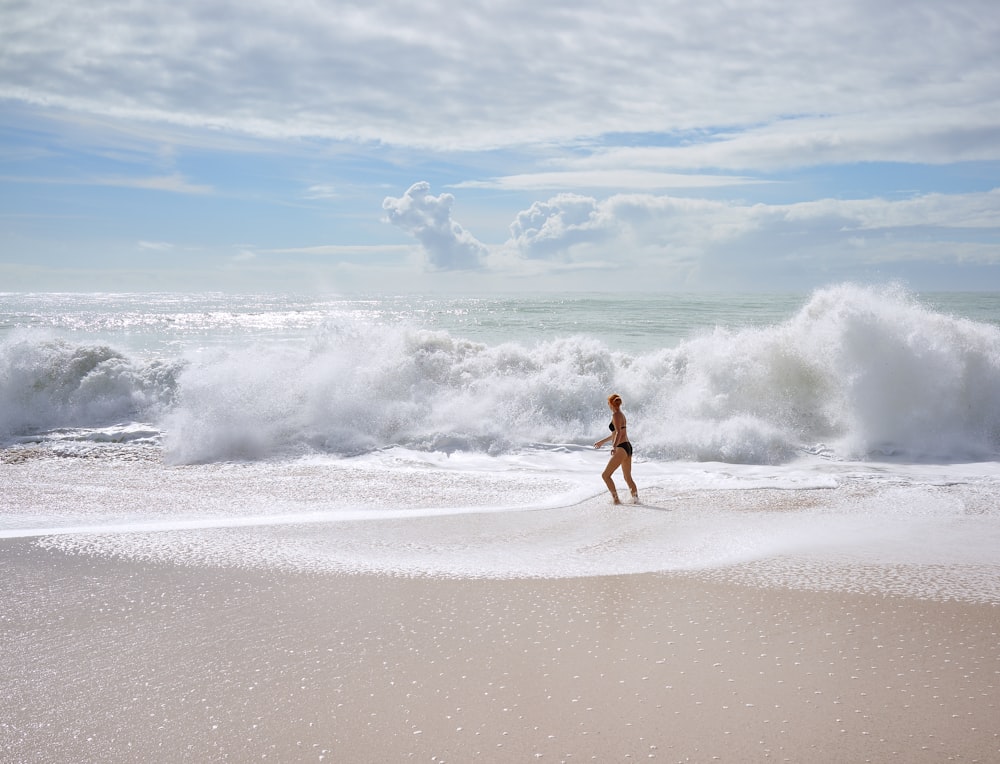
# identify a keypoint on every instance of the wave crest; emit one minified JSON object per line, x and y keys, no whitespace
{"x":51,"y":384}
{"x":866,"y":371}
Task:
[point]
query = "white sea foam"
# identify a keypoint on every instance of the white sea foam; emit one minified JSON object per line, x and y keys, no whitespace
{"x":51,"y":383}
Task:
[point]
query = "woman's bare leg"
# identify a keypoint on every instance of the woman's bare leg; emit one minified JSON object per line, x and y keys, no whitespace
{"x":613,"y":463}
{"x":627,"y":473}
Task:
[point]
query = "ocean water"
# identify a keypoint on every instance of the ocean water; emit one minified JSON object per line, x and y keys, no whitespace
{"x":845,"y":439}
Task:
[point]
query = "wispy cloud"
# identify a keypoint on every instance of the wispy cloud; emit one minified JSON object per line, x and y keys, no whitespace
{"x":343,"y":250}
{"x":912,"y":135}
{"x":172,"y":183}
{"x":175,"y":183}
{"x":448,"y":77}
{"x":322,"y":191}
{"x":639,"y":180}
{"x":156,"y":246}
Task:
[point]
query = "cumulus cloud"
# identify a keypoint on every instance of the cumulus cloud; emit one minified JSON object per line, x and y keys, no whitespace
{"x":627,"y":223}
{"x":428,"y":219}
{"x":559,"y":223}
{"x":643,"y":229}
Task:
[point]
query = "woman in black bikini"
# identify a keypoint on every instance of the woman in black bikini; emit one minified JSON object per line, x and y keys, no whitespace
{"x":621,"y":450}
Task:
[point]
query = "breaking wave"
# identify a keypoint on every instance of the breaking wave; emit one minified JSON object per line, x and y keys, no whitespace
{"x":856,"y":372}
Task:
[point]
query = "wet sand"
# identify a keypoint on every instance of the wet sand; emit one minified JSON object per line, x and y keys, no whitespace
{"x":121,"y":661}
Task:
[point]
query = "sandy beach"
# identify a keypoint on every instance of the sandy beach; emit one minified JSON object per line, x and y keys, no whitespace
{"x":108,"y":660}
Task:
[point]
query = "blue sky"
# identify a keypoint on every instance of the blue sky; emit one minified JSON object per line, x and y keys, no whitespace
{"x":384,"y":146}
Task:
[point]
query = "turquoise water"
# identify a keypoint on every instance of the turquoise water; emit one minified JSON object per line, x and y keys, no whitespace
{"x":635,"y":322}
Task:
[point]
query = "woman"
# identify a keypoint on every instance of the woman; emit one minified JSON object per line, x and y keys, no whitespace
{"x":621,"y":450}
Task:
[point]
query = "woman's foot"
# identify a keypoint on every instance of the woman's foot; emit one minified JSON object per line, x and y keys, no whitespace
{"x":614,"y":499}
{"x":635,"y":497}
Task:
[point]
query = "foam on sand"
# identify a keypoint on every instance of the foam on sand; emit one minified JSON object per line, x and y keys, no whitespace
{"x":482,"y":517}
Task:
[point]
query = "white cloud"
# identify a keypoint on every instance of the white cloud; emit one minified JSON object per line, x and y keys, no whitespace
{"x":428,"y":219}
{"x":345,"y":250}
{"x":977,"y":210}
{"x":555,"y":225}
{"x":636,"y":179}
{"x":947,"y":211}
{"x":174,"y":183}
{"x":156,"y":246}
{"x":913,"y":136}
{"x":868,"y":75}
{"x":643,"y":230}
{"x":629,"y":225}
{"x":322,"y":191}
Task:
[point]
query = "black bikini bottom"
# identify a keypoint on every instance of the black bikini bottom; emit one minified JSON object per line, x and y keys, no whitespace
{"x":626,"y":447}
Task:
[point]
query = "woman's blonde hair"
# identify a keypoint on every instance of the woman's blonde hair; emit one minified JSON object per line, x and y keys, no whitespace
{"x":615,"y":398}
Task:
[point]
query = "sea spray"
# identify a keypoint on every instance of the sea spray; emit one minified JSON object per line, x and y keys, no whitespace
{"x":51,"y":383}
{"x":362,"y":390}
{"x":866,"y":371}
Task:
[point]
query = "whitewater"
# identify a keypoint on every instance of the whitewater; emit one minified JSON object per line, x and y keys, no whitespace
{"x":844,"y":440}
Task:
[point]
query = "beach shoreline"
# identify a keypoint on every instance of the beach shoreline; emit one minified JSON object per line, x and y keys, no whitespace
{"x":122,"y":660}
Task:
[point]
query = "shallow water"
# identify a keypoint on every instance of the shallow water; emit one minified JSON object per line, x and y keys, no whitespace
{"x":854,"y":527}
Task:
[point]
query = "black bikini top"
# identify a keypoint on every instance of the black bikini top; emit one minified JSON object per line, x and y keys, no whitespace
{"x":611,"y":425}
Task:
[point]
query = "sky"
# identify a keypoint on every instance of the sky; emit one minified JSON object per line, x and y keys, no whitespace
{"x":498,"y":146}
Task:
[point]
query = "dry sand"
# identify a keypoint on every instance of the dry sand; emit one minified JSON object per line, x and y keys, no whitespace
{"x":116,"y":661}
